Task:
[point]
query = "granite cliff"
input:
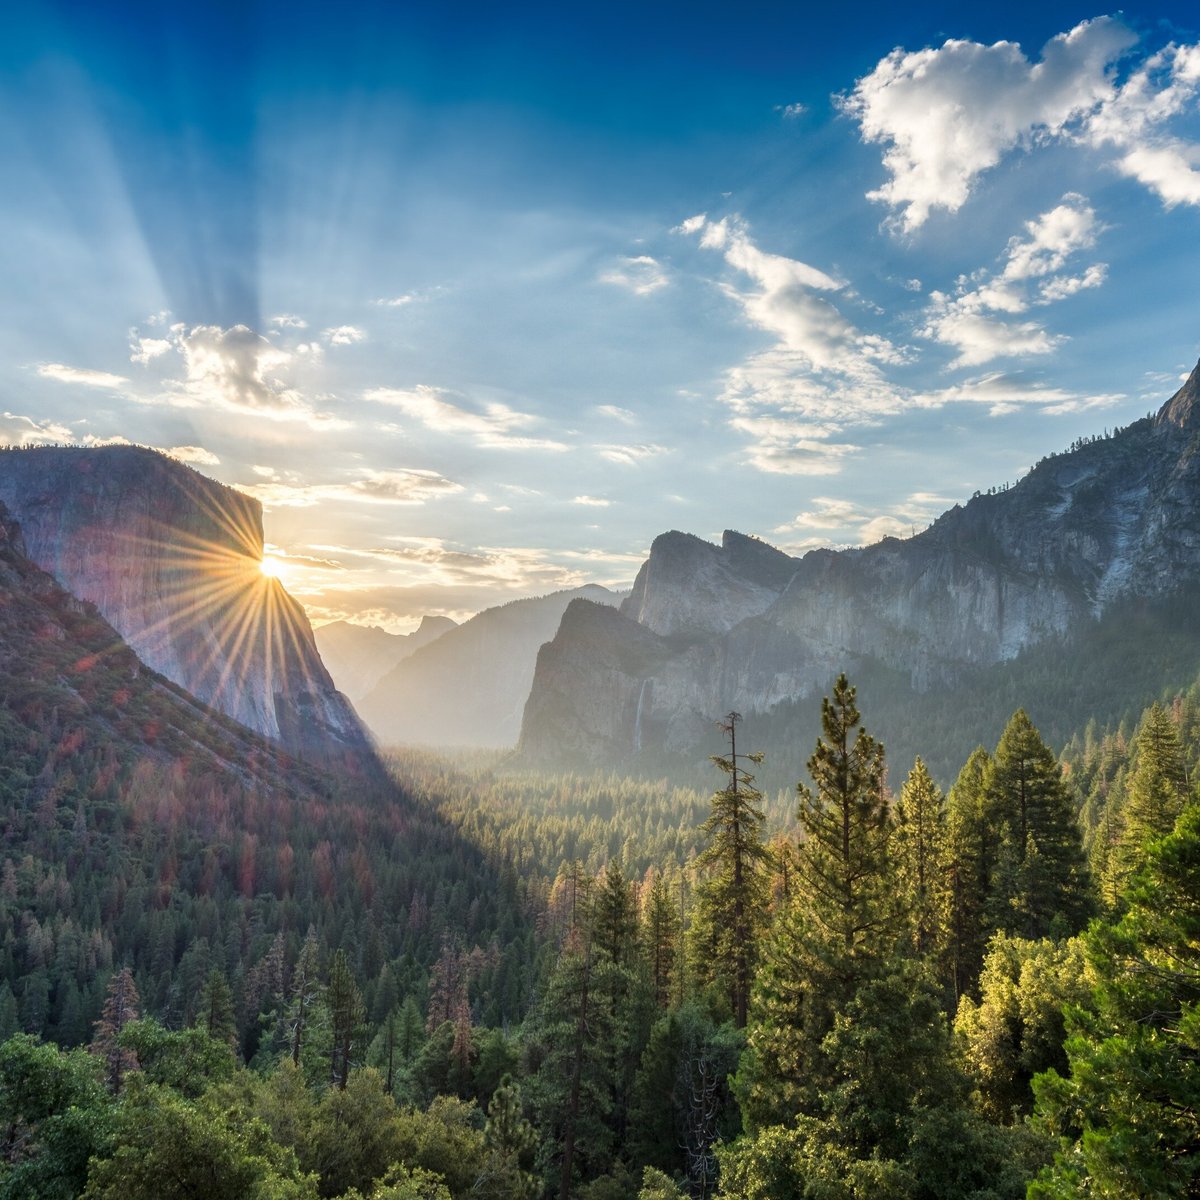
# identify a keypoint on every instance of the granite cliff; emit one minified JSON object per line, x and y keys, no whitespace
{"x":170,"y":560}
{"x":744,"y":626}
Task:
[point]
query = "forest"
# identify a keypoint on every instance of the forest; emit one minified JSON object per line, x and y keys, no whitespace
{"x":477,"y":982}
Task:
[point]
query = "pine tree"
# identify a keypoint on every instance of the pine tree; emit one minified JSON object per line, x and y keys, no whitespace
{"x":660,"y":935}
{"x":839,"y":930}
{"x":1154,"y":797}
{"x":120,"y":1008}
{"x":971,"y":849}
{"x":1040,"y":886}
{"x":346,"y":1015}
{"x":843,"y":864}
{"x":216,"y":1012}
{"x":1128,"y":1107}
{"x":510,"y":1142}
{"x":305,"y":993}
{"x":920,"y":854}
{"x":731,"y":899}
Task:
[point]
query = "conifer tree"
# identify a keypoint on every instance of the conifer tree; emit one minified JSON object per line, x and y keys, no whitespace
{"x":1127,"y":1109}
{"x":920,"y":854}
{"x":840,"y":928}
{"x":305,"y":992}
{"x":120,"y":1008}
{"x":1040,"y":886}
{"x":216,"y":1012}
{"x":1154,"y":796}
{"x":346,"y":1016}
{"x":970,"y":855}
{"x":660,"y":934}
{"x":731,"y":899}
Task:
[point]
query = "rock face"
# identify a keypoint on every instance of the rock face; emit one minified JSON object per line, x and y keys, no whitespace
{"x":468,"y":688}
{"x":170,"y":559}
{"x":744,"y":626}
{"x":359,"y":656}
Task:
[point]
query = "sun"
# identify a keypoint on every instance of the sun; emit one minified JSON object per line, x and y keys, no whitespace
{"x":271,"y":567}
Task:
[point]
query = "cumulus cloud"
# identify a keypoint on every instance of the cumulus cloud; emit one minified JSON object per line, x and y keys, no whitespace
{"x":641,"y":275}
{"x":977,"y":319}
{"x":1136,"y":122}
{"x":145,"y":349}
{"x":946,"y":115}
{"x":61,"y":373}
{"x":344,"y":335}
{"x":494,"y":427}
{"x":404,"y":486}
{"x":235,"y":369}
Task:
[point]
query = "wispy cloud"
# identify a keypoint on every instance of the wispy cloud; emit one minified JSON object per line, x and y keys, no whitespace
{"x":61,"y":373}
{"x":628,"y":455}
{"x":344,"y":335}
{"x":403,"y":486}
{"x":495,"y":426}
{"x":194,"y":454}
{"x":641,"y":275}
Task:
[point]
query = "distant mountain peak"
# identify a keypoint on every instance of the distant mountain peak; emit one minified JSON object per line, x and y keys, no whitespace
{"x":1183,"y":407}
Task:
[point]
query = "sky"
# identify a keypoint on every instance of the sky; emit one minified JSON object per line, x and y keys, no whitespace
{"x":479,"y":299}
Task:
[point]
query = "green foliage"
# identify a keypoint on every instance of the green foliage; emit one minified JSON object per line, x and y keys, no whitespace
{"x":168,"y":1148}
{"x":1127,"y":1109}
{"x":1039,"y":885}
{"x":55,"y":1114}
{"x":1016,"y":1030}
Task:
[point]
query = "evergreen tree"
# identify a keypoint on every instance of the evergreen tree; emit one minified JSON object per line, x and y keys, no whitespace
{"x":839,"y":930}
{"x":120,"y":1008}
{"x":920,"y":854}
{"x":660,"y":936}
{"x":731,"y":899}
{"x":510,"y":1143}
{"x":346,"y":1015}
{"x":1154,"y":797}
{"x":306,"y":990}
{"x":1040,"y":885}
{"x":1127,"y":1110}
{"x":971,"y":848}
{"x":216,"y":1012}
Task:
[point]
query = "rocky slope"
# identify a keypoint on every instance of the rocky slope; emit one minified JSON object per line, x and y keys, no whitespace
{"x":170,"y":559}
{"x":743,"y":626}
{"x":468,"y":687}
{"x":359,"y":656}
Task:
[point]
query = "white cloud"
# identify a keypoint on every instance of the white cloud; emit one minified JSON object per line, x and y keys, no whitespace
{"x":641,"y":275}
{"x":494,"y":427}
{"x":396,"y":301}
{"x":81,"y":375}
{"x":1136,"y":122}
{"x":402,"y":486}
{"x":144,"y":349}
{"x":288,"y":321}
{"x":344,"y":335}
{"x":848,"y":523}
{"x":1004,"y":393}
{"x":618,"y":414}
{"x":25,"y":431}
{"x":791,"y":111}
{"x":629,"y":455}
{"x":194,"y":454}
{"x":591,"y":502}
{"x":977,"y":322}
{"x":947,"y":115}
{"x":236,"y":369}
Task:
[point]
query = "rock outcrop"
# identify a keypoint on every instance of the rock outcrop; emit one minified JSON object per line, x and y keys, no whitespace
{"x":171,"y":560}
{"x":743,"y":626}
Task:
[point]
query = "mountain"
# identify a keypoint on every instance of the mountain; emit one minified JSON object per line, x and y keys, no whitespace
{"x":171,"y":560}
{"x":359,"y":656}
{"x":469,"y":686}
{"x":1113,"y":523}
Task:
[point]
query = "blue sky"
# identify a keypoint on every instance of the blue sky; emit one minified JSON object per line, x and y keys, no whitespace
{"x":479,"y":299}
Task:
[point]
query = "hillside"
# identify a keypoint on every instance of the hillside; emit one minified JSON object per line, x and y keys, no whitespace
{"x":357,"y":657}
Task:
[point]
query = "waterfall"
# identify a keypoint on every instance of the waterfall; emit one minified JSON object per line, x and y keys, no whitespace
{"x":637,"y":721}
